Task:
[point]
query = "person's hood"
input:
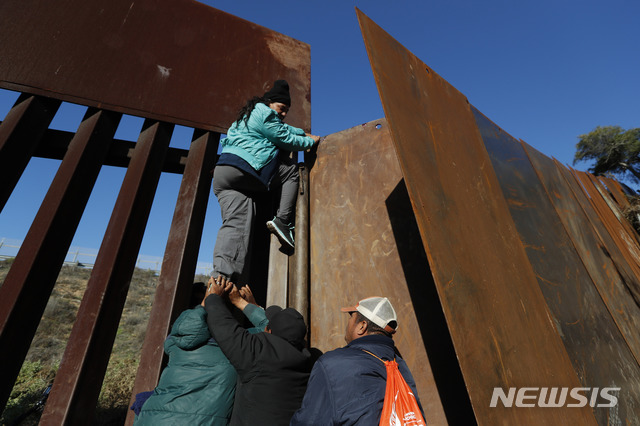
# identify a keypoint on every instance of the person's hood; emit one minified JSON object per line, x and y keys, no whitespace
{"x":190,"y":329}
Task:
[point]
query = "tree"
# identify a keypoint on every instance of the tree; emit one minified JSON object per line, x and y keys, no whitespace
{"x":613,"y":149}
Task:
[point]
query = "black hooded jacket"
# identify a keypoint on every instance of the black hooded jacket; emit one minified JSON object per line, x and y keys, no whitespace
{"x":273,"y":374}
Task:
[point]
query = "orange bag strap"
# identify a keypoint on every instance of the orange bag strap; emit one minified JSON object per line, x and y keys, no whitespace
{"x":375,"y":356}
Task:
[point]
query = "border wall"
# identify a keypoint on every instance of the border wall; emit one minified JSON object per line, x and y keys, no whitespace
{"x":507,"y":269}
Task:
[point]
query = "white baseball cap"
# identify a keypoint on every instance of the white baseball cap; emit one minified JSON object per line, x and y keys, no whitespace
{"x":378,"y":310}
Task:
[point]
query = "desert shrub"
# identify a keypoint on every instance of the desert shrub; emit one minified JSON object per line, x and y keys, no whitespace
{"x":117,"y":386}
{"x":202,"y":278}
{"x":55,"y":326}
{"x":53,"y":332}
{"x":34,"y":378}
{"x":5,"y":265}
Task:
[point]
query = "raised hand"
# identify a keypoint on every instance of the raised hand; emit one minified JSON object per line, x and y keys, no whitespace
{"x":247,"y":295}
{"x":220,"y":286}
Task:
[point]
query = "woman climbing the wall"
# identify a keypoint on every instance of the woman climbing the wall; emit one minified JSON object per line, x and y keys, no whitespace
{"x":251,"y":162}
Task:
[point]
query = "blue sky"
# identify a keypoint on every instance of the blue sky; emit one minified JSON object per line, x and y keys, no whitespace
{"x":544,"y":71}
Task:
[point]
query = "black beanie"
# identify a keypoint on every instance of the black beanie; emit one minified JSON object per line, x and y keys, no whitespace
{"x":279,"y":93}
{"x":288,"y":324}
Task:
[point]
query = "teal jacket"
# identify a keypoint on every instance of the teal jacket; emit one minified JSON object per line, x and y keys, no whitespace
{"x":257,"y":141}
{"x":198,"y":385}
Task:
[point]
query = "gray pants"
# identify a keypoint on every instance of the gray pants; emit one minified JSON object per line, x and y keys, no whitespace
{"x":236,"y":194}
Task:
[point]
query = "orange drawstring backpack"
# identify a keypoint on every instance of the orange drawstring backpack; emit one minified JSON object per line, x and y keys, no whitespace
{"x":400,"y":404}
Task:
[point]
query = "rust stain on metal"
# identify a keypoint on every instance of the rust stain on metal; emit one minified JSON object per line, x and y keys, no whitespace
{"x":589,"y":236}
{"x":278,"y":279}
{"x":196,"y":69}
{"x":30,"y":281}
{"x":179,"y":265}
{"x":578,"y":311}
{"x":299,"y":262}
{"x":20,"y":133}
{"x":615,"y":236}
{"x":616,"y":191}
{"x":75,"y":390}
{"x":179,"y":61}
{"x":468,"y":233}
{"x":362,"y":244}
{"x":615,"y":208}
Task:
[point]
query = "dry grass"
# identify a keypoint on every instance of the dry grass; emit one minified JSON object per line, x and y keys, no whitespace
{"x":48,"y":345}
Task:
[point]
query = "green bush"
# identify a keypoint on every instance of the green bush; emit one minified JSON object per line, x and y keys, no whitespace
{"x":33,"y":380}
{"x":117,"y":387}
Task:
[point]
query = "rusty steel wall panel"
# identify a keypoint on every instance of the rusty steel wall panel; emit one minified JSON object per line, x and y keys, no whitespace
{"x":78,"y":381}
{"x":623,"y":252}
{"x":627,"y":236}
{"x":361,"y":246}
{"x":606,"y":196}
{"x":498,"y":318}
{"x":579,"y":220}
{"x":616,"y":191}
{"x":620,"y":288}
{"x":30,"y":281}
{"x":20,"y":133}
{"x":54,"y":145}
{"x":596,"y":347}
{"x":178,"y":61}
{"x":623,"y":228}
{"x":179,"y":264}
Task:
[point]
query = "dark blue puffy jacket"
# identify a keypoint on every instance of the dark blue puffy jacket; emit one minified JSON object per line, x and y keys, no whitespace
{"x":347,"y":385}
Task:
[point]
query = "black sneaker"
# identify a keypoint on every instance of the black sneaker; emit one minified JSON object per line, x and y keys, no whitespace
{"x":283,"y":231}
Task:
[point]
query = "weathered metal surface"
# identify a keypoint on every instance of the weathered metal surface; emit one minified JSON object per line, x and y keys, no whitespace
{"x":179,"y":265}
{"x":616,"y":191}
{"x":498,"y":318}
{"x":612,"y":194}
{"x":619,"y":260}
{"x":597,"y":349}
{"x":288,"y":279}
{"x":593,"y":244}
{"x":278,"y":275}
{"x":278,"y":279}
{"x":622,"y":227}
{"x":619,"y":246}
{"x":299,"y":262}
{"x":54,"y":145}
{"x":20,"y":133}
{"x":28,"y":285}
{"x":77,"y":385}
{"x":362,"y":244}
{"x":605,"y":196}
{"x":178,"y":61}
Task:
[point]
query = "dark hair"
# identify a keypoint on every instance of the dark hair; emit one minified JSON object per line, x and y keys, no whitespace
{"x":372,"y":328}
{"x":198,"y":292}
{"x":247,"y":109}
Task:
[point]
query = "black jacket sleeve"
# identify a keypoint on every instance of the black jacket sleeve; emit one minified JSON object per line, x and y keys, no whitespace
{"x":239,"y":346}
